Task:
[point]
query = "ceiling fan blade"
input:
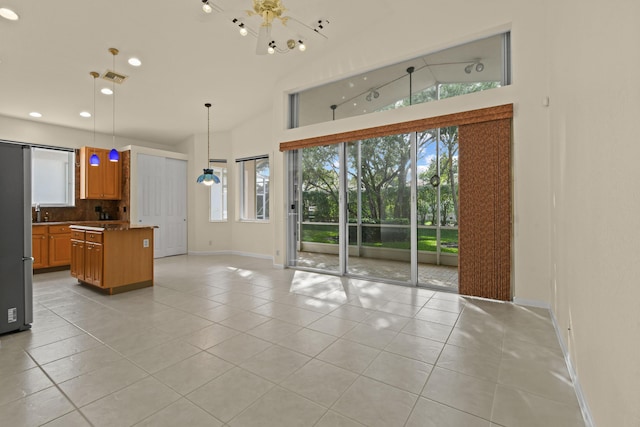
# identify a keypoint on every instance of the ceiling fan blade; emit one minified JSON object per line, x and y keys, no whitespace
{"x":264,"y":34}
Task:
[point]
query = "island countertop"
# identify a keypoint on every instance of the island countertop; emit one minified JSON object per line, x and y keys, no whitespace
{"x":111,"y":227}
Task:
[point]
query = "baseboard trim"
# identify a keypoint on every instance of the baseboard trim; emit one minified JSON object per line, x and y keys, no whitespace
{"x":238,"y":253}
{"x":582,"y":401}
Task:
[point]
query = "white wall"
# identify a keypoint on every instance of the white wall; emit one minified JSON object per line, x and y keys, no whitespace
{"x":33,"y":132}
{"x":595,"y":106}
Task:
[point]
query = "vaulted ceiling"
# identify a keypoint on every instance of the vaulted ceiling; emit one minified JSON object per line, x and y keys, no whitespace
{"x":188,"y":58}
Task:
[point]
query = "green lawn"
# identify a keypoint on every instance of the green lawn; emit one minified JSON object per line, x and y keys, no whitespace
{"x":426,"y":238}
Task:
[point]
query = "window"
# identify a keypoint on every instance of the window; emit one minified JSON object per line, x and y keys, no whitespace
{"x":472,"y":67}
{"x":254,"y":188}
{"x":218,"y":200}
{"x":52,"y":177}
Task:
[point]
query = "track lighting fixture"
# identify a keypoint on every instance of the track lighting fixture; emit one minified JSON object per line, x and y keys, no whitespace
{"x":479,"y":67}
{"x":272,"y":47}
{"x":373,"y":94}
{"x":243,"y":30}
{"x":301,"y":46}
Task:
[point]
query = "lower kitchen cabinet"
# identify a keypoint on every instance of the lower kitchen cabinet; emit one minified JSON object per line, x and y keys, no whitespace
{"x":50,"y":246}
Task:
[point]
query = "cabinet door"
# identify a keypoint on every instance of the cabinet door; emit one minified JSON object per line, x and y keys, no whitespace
{"x":40,"y":250}
{"x":59,"y":249}
{"x":93,"y":263}
{"x":112,"y":178}
{"x":91,"y":177}
{"x":77,"y":259}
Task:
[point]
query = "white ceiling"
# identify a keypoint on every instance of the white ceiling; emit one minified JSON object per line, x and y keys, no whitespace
{"x":189,"y":58}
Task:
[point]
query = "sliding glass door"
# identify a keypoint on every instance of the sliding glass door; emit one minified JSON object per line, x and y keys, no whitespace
{"x":396,"y":225}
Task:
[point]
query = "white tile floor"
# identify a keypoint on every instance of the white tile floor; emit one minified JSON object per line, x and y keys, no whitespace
{"x":225,"y":340}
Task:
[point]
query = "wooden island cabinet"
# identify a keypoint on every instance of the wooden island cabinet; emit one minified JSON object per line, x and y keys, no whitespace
{"x":115,"y":257}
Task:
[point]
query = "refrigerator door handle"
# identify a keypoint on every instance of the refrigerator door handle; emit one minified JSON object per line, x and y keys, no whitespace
{"x":28,"y":258}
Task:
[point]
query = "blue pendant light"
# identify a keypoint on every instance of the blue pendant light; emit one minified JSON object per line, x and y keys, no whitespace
{"x":208,"y":177}
{"x":94,"y":160}
{"x":114,"y":156}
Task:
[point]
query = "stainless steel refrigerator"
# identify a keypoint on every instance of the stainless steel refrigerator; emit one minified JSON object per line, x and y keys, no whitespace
{"x":16,"y":263}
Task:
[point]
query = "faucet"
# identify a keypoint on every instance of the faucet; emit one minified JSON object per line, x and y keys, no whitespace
{"x":38,"y":215}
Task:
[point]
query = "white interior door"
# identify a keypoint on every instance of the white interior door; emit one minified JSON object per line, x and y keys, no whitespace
{"x":175,"y":207}
{"x":162,"y":201}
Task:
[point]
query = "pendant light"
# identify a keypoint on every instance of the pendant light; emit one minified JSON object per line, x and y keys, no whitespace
{"x":94,"y":160}
{"x":114,"y":156}
{"x":208,"y":177}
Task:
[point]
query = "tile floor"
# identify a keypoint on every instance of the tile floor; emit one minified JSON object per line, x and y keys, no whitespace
{"x":231,"y":341}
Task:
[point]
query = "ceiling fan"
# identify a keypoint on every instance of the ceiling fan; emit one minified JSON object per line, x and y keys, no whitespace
{"x":269,"y":11}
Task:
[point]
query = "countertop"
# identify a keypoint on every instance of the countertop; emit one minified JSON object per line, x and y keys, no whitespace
{"x":110,"y":227}
{"x":88,"y":223}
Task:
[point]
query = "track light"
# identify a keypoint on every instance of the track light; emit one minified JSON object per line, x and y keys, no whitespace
{"x":373,"y":94}
{"x":479,"y":67}
{"x":272,"y":47}
{"x":301,"y":46}
{"x":206,"y":7}
{"x":243,"y":30}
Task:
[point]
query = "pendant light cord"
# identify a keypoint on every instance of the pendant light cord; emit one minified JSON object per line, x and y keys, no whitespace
{"x":208,"y":134}
{"x":113,"y":85}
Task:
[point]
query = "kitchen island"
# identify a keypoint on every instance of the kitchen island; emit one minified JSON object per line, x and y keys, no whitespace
{"x":113,"y":257}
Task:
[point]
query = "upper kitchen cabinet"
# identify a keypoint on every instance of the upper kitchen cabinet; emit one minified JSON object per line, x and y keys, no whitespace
{"x":102,"y":181}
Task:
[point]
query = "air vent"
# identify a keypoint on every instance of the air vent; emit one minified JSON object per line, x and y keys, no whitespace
{"x":112,"y":76}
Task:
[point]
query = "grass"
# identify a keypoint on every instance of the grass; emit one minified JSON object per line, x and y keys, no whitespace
{"x":426,"y":238}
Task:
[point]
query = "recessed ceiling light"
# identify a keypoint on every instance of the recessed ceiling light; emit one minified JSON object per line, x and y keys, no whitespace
{"x":35,"y":114}
{"x":8,"y":14}
{"x":135,"y":62}
{"x":85,"y":114}
{"x":106,"y":91}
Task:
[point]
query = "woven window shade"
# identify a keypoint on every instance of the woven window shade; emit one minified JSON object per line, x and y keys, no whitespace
{"x":484,"y":267}
{"x":457,"y":119}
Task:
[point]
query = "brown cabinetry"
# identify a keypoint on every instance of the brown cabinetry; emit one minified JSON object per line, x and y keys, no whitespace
{"x":59,"y":245}
{"x":40,"y":246}
{"x":50,"y":246}
{"x":113,"y":257}
{"x":101,"y":182}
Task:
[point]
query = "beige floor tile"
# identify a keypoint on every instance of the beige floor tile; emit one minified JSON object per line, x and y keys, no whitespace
{"x":437,"y":316}
{"x":81,"y":363}
{"x":180,"y":413}
{"x":275,"y":363}
{"x":368,"y":335}
{"x":468,"y":394}
{"x":513,"y":407}
{"x":239,"y":348}
{"x":163,"y":355}
{"x":99,"y":383}
{"x":375,"y":404}
{"x":469,"y":362}
{"x":398,"y":371}
{"x":193,"y":372}
{"x":130,"y":405}
{"x":274,"y":330}
{"x":231,"y":393}
{"x":72,"y":419}
{"x":333,"y":419}
{"x":136,"y":340}
{"x":279,"y":407}
{"x":244,"y":321}
{"x":332,"y":325}
{"x":319,"y":381}
{"x":307,"y":341}
{"x":67,"y":347}
{"x":220,"y":313}
{"x":349,"y":355}
{"x":422,"y":349}
{"x":537,"y":379}
{"x":21,"y":384}
{"x":210,"y":336}
{"x":35,"y":409}
{"x":426,"y":329}
{"x":350,"y":312}
{"x":14,"y":360}
{"x":288,"y":313}
{"x":380,"y":320}
{"x":33,"y":338}
{"x":428,"y":413}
